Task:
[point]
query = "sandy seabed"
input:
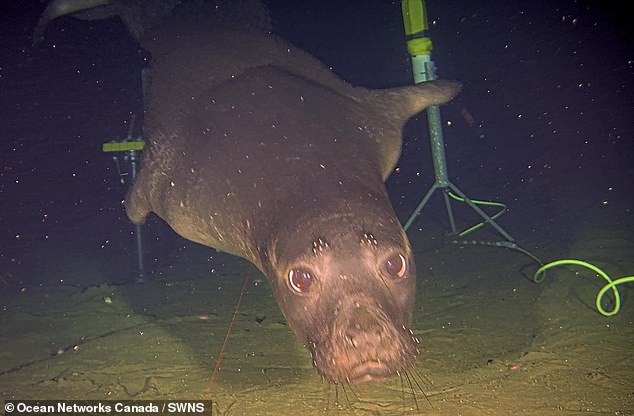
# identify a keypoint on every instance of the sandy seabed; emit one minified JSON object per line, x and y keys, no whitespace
{"x":492,"y":342}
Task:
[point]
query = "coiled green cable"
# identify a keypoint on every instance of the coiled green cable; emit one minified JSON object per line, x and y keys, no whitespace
{"x":612,"y":284}
{"x":539,"y":274}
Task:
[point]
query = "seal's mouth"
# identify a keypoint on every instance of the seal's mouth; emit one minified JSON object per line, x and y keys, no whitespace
{"x":368,"y":372}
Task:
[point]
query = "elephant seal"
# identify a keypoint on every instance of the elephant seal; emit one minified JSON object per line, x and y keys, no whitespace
{"x":256,"y":149}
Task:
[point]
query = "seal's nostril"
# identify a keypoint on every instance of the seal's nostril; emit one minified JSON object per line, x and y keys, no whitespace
{"x":353,"y":341}
{"x":363,"y":328}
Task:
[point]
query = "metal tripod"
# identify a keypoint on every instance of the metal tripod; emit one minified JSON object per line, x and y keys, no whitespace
{"x":419,"y":47}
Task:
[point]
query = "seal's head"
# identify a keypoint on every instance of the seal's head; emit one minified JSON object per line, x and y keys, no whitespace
{"x":346,"y":284}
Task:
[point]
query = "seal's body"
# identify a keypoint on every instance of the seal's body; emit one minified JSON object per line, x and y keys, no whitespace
{"x":257,"y":149}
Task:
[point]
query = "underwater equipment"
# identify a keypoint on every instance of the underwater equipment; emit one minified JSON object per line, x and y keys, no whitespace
{"x":612,"y":284}
{"x":419,"y":46}
{"x":131,"y":148}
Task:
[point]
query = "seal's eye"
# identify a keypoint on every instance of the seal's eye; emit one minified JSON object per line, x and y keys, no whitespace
{"x":396,"y":266}
{"x":300,"y":280}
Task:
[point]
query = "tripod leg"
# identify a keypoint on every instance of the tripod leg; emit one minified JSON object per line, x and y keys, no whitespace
{"x":420,"y":206}
{"x":139,"y":252}
{"x":452,"y":223}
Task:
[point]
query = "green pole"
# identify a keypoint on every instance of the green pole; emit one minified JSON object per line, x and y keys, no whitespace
{"x":419,"y":46}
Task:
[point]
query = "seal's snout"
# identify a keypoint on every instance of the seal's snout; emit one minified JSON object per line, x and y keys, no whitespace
{"x":366,"y":334}
{"x":365,"y":346}
{"x":363,"y":329}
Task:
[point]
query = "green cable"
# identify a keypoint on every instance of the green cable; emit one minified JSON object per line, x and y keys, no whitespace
{"x":611,"y":283}
{"x":479,"y":202}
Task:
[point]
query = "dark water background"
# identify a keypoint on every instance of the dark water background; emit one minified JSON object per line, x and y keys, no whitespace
{"x":549,"y":84}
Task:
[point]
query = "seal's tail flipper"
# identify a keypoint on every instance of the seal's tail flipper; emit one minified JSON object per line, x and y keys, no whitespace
{"x":138,"y":15}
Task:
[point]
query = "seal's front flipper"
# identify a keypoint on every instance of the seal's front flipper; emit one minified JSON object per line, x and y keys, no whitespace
{"x":393,"y":107}
{"x":136,"y":203}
